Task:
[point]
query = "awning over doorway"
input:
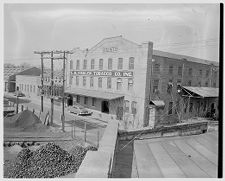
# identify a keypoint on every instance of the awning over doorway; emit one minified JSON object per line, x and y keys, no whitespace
{"x":158,"y":103}
{"x":203,"y":91}
{"x":94,"y":93}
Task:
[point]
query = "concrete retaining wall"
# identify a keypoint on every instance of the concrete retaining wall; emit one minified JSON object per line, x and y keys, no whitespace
{"x":98,"y":164}
{"x":181,"y":129}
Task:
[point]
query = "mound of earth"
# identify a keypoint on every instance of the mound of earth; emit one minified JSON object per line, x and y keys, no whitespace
{"x":15,"y":149}
{"x":24,"y":120}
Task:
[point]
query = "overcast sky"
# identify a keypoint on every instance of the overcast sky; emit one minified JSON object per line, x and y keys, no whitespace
{"x":189,"y":29}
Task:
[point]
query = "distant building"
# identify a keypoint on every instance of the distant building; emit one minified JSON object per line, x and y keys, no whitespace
{"x":27,"y":81}
{"x":10,"y":73}
{"x":137,"y":84}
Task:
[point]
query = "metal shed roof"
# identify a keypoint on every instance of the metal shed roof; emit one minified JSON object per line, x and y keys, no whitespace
{"x":204,"y":91}
{"x":94,"y":93}
{"x":158,"y":103}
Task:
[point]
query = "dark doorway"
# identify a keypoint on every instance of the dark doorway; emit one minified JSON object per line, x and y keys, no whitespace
{"x":69,"y":100}
{"x":105,"y":107}
{"x":213,"y":110}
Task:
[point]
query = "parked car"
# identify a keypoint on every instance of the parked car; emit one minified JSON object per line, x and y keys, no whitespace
{"x":79,"y":110}
{"x":19,"y":94}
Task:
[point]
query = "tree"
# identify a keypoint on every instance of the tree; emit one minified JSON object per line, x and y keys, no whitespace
{"x":25,"y":65}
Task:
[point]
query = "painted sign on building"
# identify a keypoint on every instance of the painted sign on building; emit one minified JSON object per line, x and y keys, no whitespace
{"x":110,"y":50}
{"x":105,"y":73}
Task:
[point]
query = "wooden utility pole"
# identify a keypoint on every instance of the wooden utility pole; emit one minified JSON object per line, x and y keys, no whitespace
{"x":42,"y":82}
{"x":52,"y":58}
{"x":63,"y":89}
{"x":52,"y":96}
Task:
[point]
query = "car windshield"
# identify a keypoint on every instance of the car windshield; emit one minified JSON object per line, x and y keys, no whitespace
{"x":78,"y":107}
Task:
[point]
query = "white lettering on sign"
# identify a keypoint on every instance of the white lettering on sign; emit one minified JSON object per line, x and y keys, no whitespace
{"x":110,"y":50}
{"x":127,"y":74}
{"x":105,"y":73}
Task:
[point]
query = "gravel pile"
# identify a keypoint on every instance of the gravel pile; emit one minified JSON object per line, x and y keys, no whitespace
{"x":48,"y":161}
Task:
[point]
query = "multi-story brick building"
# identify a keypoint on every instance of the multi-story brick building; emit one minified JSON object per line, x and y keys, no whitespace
{"x":171,"y":73}
{"x":122,"y":78}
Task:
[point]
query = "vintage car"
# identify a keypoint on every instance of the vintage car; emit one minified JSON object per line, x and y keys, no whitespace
{"x":79,"y":110}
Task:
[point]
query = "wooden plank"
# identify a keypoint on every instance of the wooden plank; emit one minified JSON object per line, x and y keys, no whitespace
{"x":203,"y":151}
{"x":208,"y":167}
{"x":134,"y":172}
{"x":212,"y":146}
{"x":167,"y":165}
{"x":146,"y":163}
{"x":190,"y":169}
{"x":123,"y":161}
{"x":211,"y":137}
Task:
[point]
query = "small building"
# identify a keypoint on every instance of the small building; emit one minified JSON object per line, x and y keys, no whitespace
{"x":10,"y":78}
{"x":200,"y":101}
{"x":27,"y":81}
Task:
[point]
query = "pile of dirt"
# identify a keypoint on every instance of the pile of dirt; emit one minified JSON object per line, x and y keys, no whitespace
{"x":24,"y":119}
{"x":15,"y":149}
{"x":48,"y":161}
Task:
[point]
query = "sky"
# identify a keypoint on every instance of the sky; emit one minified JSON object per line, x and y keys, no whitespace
{"x":188,"y":29}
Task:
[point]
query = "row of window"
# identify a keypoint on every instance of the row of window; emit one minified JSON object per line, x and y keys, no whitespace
{"x":27,"y":88}
{"x":101,"y":64}
{"x":156,"y":83}
{"x":156,"y":70}
{"x":133,"y":107}
{"x":119,"y":82}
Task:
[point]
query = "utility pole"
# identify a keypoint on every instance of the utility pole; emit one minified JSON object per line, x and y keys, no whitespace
{"x":52,"y":96}
{"x":52,"y":58}
{"x":42,"y":82}
{"x":63,"y":90}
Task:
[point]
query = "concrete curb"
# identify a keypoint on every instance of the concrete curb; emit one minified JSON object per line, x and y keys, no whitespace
{"x":98,"y":164}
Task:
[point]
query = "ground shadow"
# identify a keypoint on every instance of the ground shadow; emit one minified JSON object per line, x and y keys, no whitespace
{"x":123,"y":160}
{"x":80,"y":124}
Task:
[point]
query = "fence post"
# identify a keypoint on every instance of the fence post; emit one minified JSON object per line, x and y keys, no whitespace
{"x":46,"y":118}
{"x":98,"y":138}
{"x":72,"y":130}
{"x":21,"y":107}
{"x":39,"y":114}
{"x":85,"y":130}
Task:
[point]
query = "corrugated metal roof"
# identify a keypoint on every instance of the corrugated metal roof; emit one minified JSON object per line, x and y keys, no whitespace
{"x":94,"y":93}
{"x":204,"y":91}
{"x":158,"y":103}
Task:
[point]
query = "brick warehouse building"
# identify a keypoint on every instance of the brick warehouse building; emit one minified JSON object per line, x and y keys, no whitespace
{"x":122,"y":78}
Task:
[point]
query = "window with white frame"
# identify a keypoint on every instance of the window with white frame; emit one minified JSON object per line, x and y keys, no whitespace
{"x":119,"y":84}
